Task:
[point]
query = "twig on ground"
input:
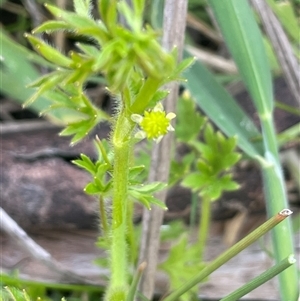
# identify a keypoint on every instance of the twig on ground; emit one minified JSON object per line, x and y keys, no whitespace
{"x":34,"y":12}
{"x":173,"y":28}
{"x":281,"y":45}
{"x":59,"y":37}
{"x":21,"y":126}
{"x":215,"y":61}
{"x":9,"y":226}
{"x":200,"y":26}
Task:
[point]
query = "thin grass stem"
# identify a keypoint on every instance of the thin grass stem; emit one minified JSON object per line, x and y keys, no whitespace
{"x":274,"y":188}
{"x":230,"y":253}
{"x":135,"y":282}
{"x":261,"y":279}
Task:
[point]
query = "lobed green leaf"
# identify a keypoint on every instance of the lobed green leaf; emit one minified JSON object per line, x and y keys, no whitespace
{"x":183,"y":65}
{"x":79,"y":129}
{"x":189,"y":121}
{"x":150,"y":188}
{"x":135,"y":171}
{"x":83,"y":7}
{"x":91,"y":189}
{"x":182,"y":262}
{"x":138,"y":8}
{"x":50,"y":26}
{"x":58,"y":97}
{"x":154,"y":201}
{"x":214,"y":189}
{"x":46,"y":84}
{"x":48,"y":52}
{"x":159,"y":95}
{"x":192,"y":181}
{"x":132,"y":19}
{"x":108,"y":13}
{"x":146,"y":199}
{"x":90,"y":50}
{"x":46,"y":78}
{"x":77,"y":21}
{"x":86,"y":163}
{"x":15,"y":294}
{"x":180,"y":169}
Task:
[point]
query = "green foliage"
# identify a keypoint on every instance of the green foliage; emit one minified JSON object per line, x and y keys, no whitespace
{"x":172,"y":230}
{"x":102,"y":180}
{"x":210,"y":176}
{"x":217,"y":156}
{"x":15,"y":294}
{"x":66,"y":85}
{"x":39,"y":291}
{"x":17,"y":71}
{"x":49,"y":53}
{"x":181,"y":168}
{"x":144,"y":194}
{"x":11,"y":293}
{"x":185,"y":133}
{"x":100,"y":171}
{"x":222,"y":109}
{"x":241,"y":32}
{"x":83,"y":8}
{"x":187,"y":111}
{"x":124,"y":77}
{"x":182,"y":263}
{"x":135,"y":67}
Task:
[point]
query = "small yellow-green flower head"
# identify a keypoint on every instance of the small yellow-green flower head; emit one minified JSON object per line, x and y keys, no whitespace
{"x":154,"y":124}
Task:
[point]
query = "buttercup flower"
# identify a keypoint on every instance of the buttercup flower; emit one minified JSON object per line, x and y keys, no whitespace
{"x":154,"y":124}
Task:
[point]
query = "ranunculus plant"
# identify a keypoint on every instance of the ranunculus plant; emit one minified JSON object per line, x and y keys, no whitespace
{"x":135,"y":68}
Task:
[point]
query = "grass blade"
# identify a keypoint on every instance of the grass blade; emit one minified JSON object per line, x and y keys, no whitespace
{"x":230,"y":253}
{"x":245,"y":43}
{"x":261,"y":279}
{"x":221,"y":108}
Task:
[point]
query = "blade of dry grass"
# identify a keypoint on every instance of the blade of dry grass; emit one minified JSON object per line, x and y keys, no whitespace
{"x":173,"y":28}
{"x":281,"y":45}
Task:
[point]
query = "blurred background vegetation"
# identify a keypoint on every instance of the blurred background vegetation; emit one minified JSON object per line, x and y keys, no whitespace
{"x":22,"y":65}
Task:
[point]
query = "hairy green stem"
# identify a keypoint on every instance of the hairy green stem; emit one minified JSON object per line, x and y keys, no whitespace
{"x":204,"y":225}
{"x":118,"y":249}
{"x":121,"y":141}
{"x":145,"y":95}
